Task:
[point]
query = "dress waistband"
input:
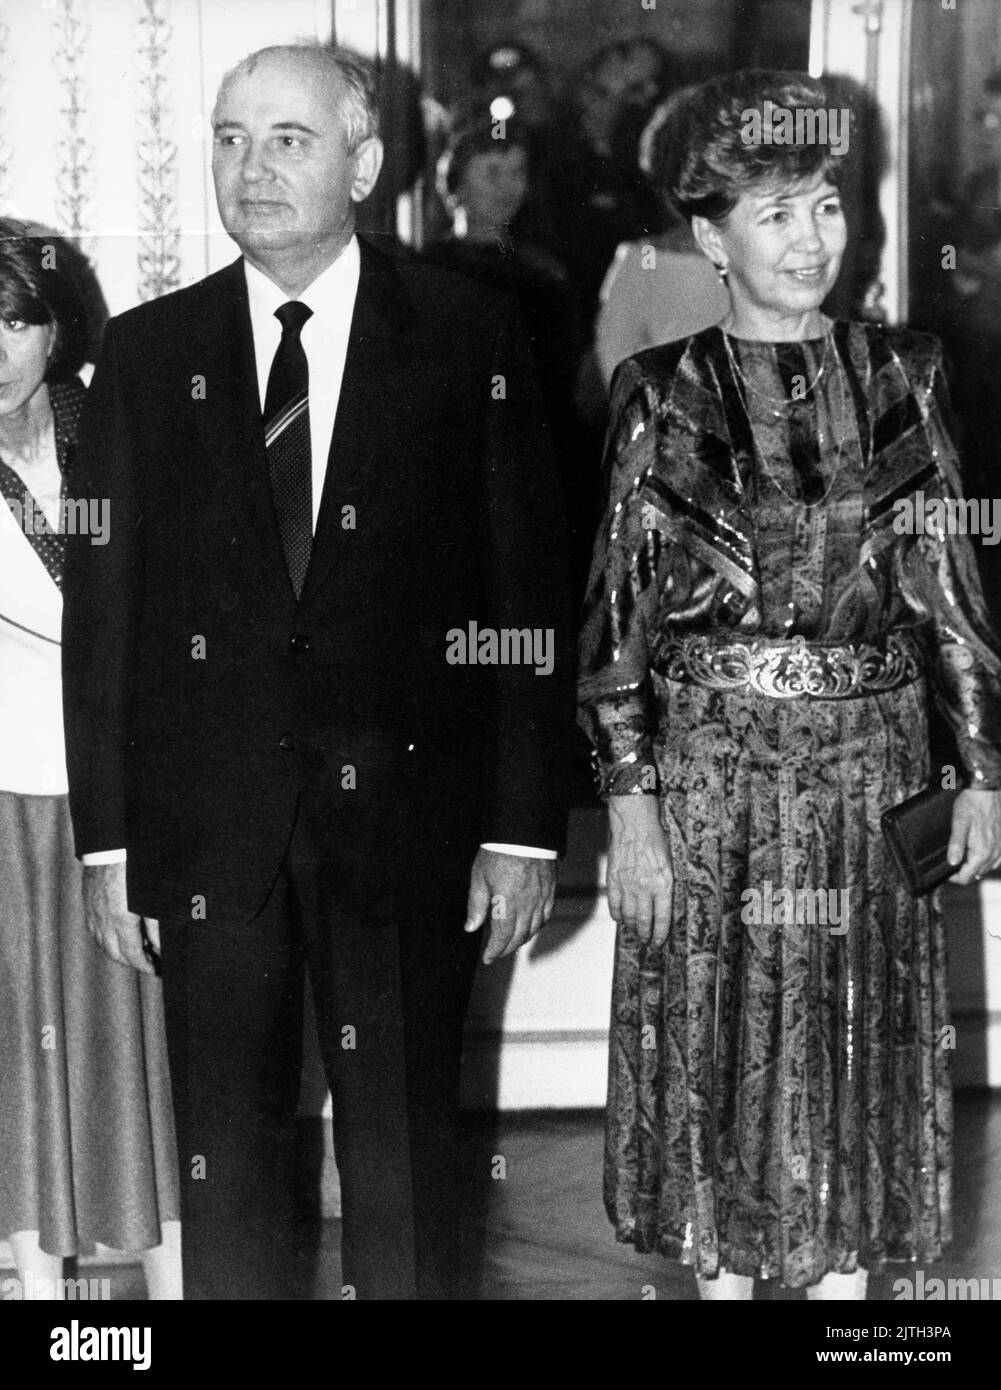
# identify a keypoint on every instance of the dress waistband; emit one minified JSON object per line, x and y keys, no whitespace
{"x":794,"y":668}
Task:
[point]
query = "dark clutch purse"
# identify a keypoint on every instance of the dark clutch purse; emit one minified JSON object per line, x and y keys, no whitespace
{"x":917,"y":832}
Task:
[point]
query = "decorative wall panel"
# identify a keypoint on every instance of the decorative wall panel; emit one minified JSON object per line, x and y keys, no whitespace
{"x":157,"y":154}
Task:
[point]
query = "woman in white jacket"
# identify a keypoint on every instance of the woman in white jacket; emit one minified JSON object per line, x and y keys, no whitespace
{"x":87,"y":1151}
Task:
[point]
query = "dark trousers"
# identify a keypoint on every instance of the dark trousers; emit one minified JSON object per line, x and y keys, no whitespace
{"x":390,"y":986}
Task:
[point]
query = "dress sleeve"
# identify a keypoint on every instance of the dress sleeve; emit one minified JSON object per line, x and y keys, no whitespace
{"x":938,"y":578}
{"x":621,"y":612}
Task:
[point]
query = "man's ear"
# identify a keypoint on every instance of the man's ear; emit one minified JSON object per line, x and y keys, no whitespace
{"x":368,"y":162}
{"x":708,"y":240}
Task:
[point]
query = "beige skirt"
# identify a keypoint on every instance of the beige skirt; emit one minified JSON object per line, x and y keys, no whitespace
{"x":87,"y":1150}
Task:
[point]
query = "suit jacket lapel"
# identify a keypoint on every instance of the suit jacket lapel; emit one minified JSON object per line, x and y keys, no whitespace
{"x":367,"y":427}
{"x":229,"y":419}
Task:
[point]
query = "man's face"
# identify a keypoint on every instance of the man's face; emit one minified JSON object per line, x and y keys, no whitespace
{"x":285,"y":178}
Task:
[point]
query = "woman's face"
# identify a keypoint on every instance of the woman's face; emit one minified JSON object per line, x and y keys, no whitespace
{"x":494,"y":186}
{"x":782,"y":248}
{"x":24,"y":359}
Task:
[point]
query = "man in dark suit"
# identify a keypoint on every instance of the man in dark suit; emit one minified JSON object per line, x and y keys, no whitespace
{"x":320,"y":670}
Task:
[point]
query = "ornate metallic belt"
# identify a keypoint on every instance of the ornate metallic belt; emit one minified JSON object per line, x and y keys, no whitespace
{"x":794,"y":669}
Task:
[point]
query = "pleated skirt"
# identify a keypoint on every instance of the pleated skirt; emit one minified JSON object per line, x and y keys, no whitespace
{"x":87,"y":1148}
{"x":779,"y":1094}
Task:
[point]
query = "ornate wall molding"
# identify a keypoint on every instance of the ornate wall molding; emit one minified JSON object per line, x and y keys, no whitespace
{"x":5,"y":150}
{"x":75,"y":153}
{"x":157,"y":174}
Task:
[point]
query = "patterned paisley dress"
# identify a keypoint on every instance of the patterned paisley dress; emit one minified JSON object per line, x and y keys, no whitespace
{"x":779,"y":1095}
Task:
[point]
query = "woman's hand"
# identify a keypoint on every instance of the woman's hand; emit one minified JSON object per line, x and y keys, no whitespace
{"x":975,"y":842}
{"x":640,"y":874}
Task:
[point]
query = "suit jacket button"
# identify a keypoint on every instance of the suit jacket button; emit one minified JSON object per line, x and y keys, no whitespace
{"x":300,"y":642}
{"x":286,"y":742}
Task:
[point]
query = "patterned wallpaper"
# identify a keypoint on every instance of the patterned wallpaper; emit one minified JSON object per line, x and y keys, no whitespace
{"x":71,"y":35}
{"x":159,"y":262}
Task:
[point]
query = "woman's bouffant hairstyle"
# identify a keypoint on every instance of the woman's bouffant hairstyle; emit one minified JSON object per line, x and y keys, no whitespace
{"x":700,"y":156}
{"x":35,"y":288}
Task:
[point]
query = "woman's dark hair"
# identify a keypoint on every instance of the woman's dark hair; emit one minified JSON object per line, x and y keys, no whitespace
{"x":703,"y":159}
{"x":479,"y":137}
{"x":35,"y":287}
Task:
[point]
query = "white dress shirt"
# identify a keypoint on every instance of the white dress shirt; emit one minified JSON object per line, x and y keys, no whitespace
{"x":324,"y":339}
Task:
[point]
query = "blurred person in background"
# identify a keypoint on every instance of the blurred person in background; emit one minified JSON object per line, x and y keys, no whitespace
{"x":647,"y":81}
{"x":660,"y":287}
{"x":87,"y":1151}
{"x":513,"y":73}
{"x":484,"y":181}
{"x":600,"y":196}
{"x":511,"y":82}
{"x":970,"y":305}
{"x":960,"y":298}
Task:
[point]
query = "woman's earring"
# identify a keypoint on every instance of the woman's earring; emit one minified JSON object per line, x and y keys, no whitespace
{"x":721,"y":270}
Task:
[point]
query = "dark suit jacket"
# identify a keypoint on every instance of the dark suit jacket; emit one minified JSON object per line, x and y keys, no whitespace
{"x":201,"y":699}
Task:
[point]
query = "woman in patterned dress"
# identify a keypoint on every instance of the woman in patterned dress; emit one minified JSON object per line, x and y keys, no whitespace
{"x":87,"y":1152}
{"x":760,"y":627}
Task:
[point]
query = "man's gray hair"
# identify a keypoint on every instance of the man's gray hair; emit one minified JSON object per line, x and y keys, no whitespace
{"x":360,"y":105}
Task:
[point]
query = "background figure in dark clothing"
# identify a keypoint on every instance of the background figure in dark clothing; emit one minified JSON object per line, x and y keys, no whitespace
{"x":963,"y":303}
{"x":600,"y":196}
{"x":485,"y":181}
{"x":512,"y":71}
{"x":973,"y":311}
{"x":510,"y":82}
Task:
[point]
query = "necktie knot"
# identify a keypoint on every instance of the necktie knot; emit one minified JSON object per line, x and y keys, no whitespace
{"x":293,"y":315}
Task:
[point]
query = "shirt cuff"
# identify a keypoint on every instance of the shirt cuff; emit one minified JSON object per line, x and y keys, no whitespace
{"x":118,"y":856}
{"x":523,"y":851}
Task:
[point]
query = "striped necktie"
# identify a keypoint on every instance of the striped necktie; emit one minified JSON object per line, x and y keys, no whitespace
{"x":286,"y":435}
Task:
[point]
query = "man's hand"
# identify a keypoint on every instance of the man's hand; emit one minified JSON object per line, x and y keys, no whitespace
{"x":516,"y":894}
{"x":115,"y":929}
{"x":975,"y":842}
{"x":640,"y":872}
